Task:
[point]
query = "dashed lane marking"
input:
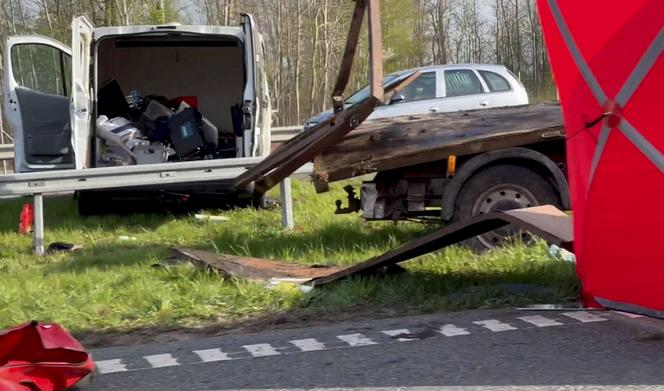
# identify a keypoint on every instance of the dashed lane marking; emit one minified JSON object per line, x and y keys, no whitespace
{"x":357,"y":340}
{"x":495,"y":325}
{"x":540,"y":321}
{"x":398,"y":333}
{"x":450,"y":330}
{"x":161,"y":360}
{"x":350,"y":341}
{"x":308,"y":344}
{"x":584,"y":317}
{"x":211,"y":355}
{"x":261,"y":350}
{"x":110,"y":366}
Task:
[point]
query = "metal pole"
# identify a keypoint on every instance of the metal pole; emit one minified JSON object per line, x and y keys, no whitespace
{"x":39,"y":224}
{"x":287,"y":220}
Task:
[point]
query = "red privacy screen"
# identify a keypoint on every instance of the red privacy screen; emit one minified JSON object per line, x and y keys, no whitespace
{"x":607,"y":65}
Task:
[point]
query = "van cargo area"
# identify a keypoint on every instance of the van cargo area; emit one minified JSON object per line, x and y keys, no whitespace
{"x":168,"y":97}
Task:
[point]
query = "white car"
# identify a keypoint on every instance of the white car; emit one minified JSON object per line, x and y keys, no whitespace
{"x":443,"y":89}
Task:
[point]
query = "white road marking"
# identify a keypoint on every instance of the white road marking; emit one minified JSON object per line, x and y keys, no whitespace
{"x":540,"y":321}
{"x":397,"y":333}
{"x":261,"y":350}
{"x":161,"y":360}
{"x":495,"y":325}
{"x":583,"y":316}
{"x":450,"y":330}
{"x":110,"y":366}
{"x":353,"y":340}
{"x":308,"y":344}
{"x":357,"y":340}
{"x":629,"y":315}
{"x":210,"y":355}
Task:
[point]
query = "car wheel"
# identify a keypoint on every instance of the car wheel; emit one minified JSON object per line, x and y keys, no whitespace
{"x":498,"y":188}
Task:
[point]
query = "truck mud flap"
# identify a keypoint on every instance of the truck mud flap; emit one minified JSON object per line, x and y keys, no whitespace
{"x":547,"y":222}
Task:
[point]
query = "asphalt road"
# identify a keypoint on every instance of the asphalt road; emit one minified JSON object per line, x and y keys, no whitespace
{"x":472,"y":350}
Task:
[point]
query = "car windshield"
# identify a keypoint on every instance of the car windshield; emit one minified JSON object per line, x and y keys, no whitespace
{"x":364,"y":92}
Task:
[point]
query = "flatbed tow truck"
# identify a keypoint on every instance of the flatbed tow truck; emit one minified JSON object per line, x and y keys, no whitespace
{"x":451,"y":167}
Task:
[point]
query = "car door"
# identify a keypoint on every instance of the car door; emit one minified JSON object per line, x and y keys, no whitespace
{"x":504,"y":90}
{"x":81,"y":94}
{"x":37,"y":86}
{"x":419,"y":97}
{"x":250,"y":102}
{"x":463,"y":90}
{"x":263,"y":134}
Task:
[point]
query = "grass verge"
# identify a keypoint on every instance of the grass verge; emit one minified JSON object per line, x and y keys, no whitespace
{"x":110,"y":284}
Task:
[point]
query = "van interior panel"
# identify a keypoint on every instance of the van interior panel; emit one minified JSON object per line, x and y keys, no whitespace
{"x":211,"y":70}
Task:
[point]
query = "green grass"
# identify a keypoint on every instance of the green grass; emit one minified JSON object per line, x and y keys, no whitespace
{"x":111,"y":284}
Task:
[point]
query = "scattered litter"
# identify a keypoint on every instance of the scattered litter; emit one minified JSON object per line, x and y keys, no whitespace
{"x":216,"y":219}
{"x":62,"y":247}
{"x":123,"y":237}
{"x":298,"y":282}
{"x":558,"y":253}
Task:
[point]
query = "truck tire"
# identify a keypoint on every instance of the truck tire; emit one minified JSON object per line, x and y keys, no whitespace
{"x":502,"y":187}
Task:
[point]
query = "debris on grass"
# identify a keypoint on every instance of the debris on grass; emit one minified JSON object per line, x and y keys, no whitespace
{"x":56,"y":247}
{"x":254,"y":269}
{"x":211,"y":218}
{"x":299,"y":283}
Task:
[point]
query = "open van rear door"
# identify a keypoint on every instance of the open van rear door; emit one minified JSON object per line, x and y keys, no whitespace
{"x":81,"y":96}
{"x":250,"y":103}
{"x":37,"y":85}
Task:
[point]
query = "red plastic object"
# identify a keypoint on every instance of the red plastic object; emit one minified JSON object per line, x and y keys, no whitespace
{"x":192,"y":101}
{"x":41,"y":357}
{"x":26,"y":220}
{"x":606,"y":57}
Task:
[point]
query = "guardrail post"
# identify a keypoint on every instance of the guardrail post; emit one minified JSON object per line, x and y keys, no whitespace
{"x":287,"y":220}
{"x":39,"y":223}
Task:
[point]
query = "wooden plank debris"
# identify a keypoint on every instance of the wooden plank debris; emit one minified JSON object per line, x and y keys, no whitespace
{"x":255,"y":269}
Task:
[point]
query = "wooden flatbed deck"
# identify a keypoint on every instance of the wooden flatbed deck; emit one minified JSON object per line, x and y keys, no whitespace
{"x":392,"y":143}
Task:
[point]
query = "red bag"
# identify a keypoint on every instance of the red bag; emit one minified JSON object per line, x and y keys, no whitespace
{"x":41,"y":357}
{"x":27,"y":219}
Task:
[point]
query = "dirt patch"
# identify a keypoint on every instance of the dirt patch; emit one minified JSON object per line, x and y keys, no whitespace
{"x":93,"y":339}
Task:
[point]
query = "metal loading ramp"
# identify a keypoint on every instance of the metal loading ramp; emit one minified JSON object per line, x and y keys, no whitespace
{"x":546,"y":221}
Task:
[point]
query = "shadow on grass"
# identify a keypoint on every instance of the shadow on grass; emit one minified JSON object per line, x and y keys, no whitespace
{"x":329,"y":240}
{"x":61,"y":211}
{"x":106,"y":256}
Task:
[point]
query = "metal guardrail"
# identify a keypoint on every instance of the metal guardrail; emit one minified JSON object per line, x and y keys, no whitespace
{"x":285,"y":133}
{"x":6,"y":152}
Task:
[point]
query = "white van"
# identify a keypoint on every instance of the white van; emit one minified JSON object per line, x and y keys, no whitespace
{"x":53,"y":94}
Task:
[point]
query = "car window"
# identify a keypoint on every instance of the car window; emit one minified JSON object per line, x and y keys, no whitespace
{"x":41,"y":68}
{"x":363,"y":93}
{"x":424,"y":87}
{"x":495,"y":82}
{"x":461,"y":82}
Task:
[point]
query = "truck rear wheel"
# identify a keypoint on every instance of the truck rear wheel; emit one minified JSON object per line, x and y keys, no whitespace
{"x":498,"y":188}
